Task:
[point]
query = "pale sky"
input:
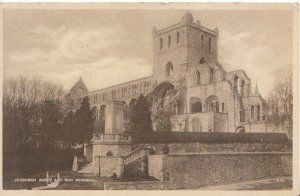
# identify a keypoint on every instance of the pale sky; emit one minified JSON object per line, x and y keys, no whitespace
{"x":108,"y":47}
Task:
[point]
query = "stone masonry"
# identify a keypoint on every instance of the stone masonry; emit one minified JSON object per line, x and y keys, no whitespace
{"x":207,"y":98}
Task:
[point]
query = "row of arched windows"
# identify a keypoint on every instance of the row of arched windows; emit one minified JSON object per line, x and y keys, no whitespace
{"x":212,"y":105}
{"x":129,"y":90}
{"x":161,"y":41}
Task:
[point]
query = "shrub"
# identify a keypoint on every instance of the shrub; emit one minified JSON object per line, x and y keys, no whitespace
{"x":114,"y":176}
{"x":152,"y":151}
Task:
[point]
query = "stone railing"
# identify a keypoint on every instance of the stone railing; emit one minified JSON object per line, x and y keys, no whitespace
{"x":134,"y":155}
{"x":175,"y":26}
{"x":118,"y":137}
{"x":167,"y":29}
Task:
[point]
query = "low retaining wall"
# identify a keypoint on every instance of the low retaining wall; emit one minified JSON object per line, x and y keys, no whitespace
{"x":197,"y":147}
{"x":190,"y":171}
{"x":137,"y":185}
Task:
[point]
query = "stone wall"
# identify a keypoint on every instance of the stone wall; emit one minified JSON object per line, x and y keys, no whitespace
{"x":206,"y":121}
{"x":137,"y":185}
{"x":196,"y":147}
{"x":108,"y":166}
{"x":220,"y":122}
{"x":190,"y":171}
{"x":116,"y":149}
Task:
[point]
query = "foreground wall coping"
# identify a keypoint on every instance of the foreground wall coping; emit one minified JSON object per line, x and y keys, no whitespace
{"x":225,"y":153}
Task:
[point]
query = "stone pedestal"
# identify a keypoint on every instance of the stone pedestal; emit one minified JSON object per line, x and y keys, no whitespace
{"x":108,"y":148}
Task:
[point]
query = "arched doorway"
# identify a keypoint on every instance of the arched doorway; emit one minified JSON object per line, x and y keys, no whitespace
{"x":162,"y":92}
{"x":195,"y":105}
{"x":212,"y":104}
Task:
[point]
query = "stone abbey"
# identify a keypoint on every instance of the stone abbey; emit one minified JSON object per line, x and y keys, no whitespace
{"x":188,"y":78}
{"x":188,"y":81}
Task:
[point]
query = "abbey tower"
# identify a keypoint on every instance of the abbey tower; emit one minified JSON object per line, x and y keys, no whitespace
{"x":180,"y":46}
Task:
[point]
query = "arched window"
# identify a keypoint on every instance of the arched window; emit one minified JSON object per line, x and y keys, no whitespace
{"x":175,"y":109}
{"x":202,"y":37}
{"x":242,"y":116}
{"x":209,"y":45}
{"x":235,"y":83}
{"x":217,"y":106}
{"x":202,"y":60}
{"x":223,"y":107}
{"x":252,"y":112}
{"x":211,"y":75}
{"x":169,"y":69}
{"x":198,"y":77}
{"x":95,"y":114}
{"x":169,"y":41}
{"x":178,"y":38}
{"x":161,"y":43}
{"x":258,"y":112}
{"x":242,"y":88}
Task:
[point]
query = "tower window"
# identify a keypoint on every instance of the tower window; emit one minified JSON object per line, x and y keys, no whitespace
{"x":223,"y":108}
{"x":211,"y":75}
{"x":198,"y":77}
{"x":169,"y":41}
{"x":209,"y":45}
{"x":202,"y":60}
{"x":169,"y":69}
{"x":161,"y":43}
{"x":201,"y":37}
{"x":178,"y":38}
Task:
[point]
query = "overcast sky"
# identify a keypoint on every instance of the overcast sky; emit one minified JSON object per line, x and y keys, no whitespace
{"x":108,"y":47}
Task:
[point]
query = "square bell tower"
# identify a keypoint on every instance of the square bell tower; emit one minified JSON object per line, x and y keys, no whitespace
{"x":181,"y":46}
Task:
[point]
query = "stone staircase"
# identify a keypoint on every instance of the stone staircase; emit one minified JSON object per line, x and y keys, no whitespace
{"x":86,"y":168}
{"x":136,"y":163}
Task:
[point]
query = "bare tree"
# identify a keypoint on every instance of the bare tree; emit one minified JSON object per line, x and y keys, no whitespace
{"x":22,"y":101}
{"x":280,"y":101}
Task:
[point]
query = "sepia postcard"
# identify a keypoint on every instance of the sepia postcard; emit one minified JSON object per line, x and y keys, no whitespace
{"x":172,"y":97}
